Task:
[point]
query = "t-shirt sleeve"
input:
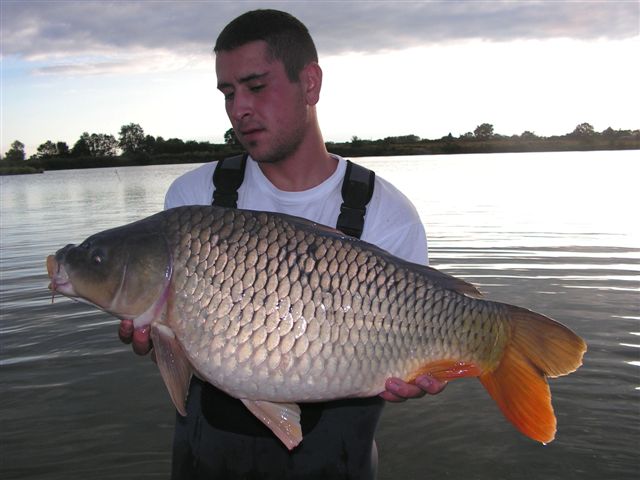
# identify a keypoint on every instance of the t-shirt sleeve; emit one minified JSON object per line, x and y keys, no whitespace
{"x":393,"y":224}
{"x":408,"y":243}
{"x":194,"y":187}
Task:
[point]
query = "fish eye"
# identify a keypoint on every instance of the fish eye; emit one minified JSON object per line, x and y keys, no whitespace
{"x":97,"y":257}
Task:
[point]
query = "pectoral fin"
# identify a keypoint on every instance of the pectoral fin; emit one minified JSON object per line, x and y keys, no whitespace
{"x":283,"y":419}
{"x":174,"y":366}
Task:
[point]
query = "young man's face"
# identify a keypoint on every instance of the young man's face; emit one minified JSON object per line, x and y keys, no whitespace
{"x":268,"y":112}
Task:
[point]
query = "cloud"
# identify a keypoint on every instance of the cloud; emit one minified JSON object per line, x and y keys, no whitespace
{"x":59,"y":34}
{"x":131,"y":62}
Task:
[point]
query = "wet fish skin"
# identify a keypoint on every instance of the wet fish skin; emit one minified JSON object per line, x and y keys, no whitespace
{"x":289,"y":314}
{"x":274,"y":309}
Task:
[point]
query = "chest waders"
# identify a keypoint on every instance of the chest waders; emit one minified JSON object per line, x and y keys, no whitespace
{"x":338,"y":436}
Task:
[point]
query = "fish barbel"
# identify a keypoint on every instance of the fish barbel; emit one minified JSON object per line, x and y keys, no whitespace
{"x":275,"y":310}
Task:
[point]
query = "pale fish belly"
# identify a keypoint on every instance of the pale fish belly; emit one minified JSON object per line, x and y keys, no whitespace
{"x":265,"y":311}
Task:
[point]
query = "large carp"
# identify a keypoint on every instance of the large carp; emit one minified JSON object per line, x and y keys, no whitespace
{"x":275,"y":310}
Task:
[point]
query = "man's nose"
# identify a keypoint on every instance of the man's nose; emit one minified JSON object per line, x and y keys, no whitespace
{"x":240,"y":107}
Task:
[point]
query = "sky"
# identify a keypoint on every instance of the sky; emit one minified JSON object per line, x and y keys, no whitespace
{"x":426,"y":68}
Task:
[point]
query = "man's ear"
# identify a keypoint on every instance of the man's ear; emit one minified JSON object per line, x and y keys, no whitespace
{"x":311,"y":79}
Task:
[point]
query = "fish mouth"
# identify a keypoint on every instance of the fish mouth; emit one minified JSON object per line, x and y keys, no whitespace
{"x":60,"y":282}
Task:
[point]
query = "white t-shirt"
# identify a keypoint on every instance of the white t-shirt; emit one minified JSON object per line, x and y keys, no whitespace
{"x":391,"y":222}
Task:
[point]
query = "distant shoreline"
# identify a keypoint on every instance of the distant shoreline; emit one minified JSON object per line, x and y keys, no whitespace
{"x":393,"y":146}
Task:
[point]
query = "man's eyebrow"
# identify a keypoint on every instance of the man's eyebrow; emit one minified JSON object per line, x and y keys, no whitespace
{"x":245,"y":79}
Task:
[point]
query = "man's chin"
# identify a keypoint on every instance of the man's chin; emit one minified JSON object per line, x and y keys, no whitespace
{"x":252,"y":148}
{"x":260,"y":155}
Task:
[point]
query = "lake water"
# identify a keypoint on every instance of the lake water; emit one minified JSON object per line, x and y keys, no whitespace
{"x":555,"y":232}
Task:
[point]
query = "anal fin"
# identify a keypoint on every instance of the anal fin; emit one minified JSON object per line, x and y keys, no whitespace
{"x":174,"y":366}
{"x":283,"y":419}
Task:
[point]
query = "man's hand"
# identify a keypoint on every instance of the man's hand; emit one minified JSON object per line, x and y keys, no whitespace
{"x":398,"y":390}
{"x":138,"y":337}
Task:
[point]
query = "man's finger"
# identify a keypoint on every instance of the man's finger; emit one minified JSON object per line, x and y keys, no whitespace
{"x":430,"y":385}
{"x":403,"y":389}
{"x":141,"y":341}
{"x":125,"y":331}
{"x":390,"y":397}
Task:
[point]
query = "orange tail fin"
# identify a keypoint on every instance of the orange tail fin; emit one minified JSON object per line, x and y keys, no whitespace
{"x":539,"y":347}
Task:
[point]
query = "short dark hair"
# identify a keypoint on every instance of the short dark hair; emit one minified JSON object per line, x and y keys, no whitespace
{"x":287,"y":38}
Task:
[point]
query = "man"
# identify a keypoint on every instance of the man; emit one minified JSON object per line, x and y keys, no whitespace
{"x":268,"y":72}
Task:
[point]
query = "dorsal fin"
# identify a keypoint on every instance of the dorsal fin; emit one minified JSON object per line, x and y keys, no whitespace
{"x":451,"y":283}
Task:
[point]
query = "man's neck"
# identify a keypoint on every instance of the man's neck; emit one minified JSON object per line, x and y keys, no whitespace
{"x":305,"y":169}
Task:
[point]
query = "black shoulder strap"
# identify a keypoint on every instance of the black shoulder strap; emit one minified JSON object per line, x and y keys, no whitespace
{"x":357,"y":190}
{"x":227,"y":178}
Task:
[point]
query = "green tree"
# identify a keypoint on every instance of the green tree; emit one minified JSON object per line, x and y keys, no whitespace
{"x":583,"y":130}
{"x":172,"y":145}
{"x":230,"y":137}
{"x":47,"y":149}
{"x":191,"y":146}
{"x":16,"y":152}
{"x":149,"y":145}
{"x":484,"y":131}
{"x":50,"y":149}
{"x":81,"y":147}
{"x":132,"y":138}
{"x":95,"y":145}
{"x":402,"y":139}
{"x":609,"y":133}
{"x":103,"y":145}
{"x":62,"y":149}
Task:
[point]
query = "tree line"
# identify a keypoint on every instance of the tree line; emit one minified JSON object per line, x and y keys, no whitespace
{"x":131,"y":142}
{"x":134,"y":147}
{"x":483,"y":139}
